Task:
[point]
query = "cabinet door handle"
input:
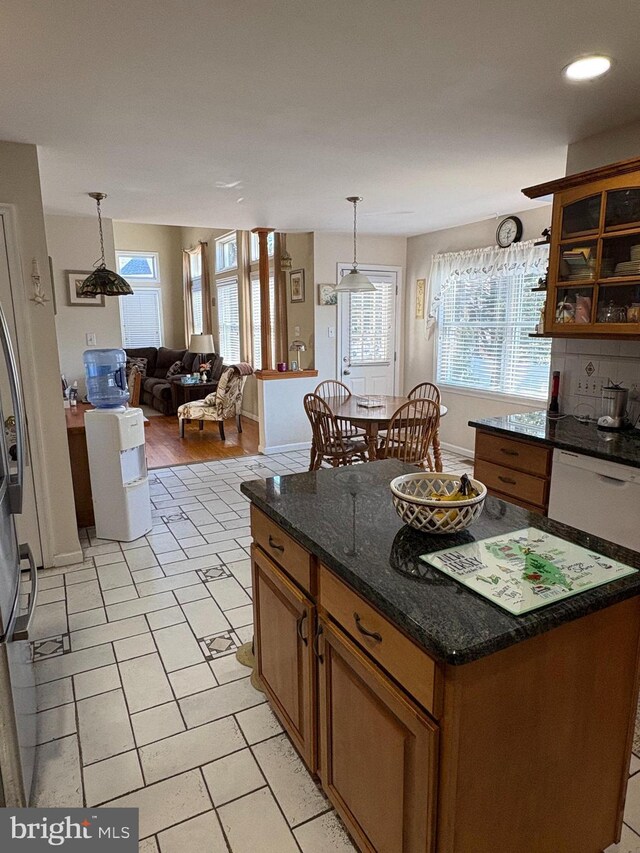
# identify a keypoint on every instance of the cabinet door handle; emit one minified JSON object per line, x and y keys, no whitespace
{"x":373,"y":634}
{"x":316,"y":644}
{"x":299,"y":625}
{"x":273,"y":544}
{"x":508,"y":480}
{"x":509,"y":452}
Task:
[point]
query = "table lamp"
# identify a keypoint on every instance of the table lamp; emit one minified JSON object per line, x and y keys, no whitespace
{"x":298,"y":346}
{"x":202,"y":345}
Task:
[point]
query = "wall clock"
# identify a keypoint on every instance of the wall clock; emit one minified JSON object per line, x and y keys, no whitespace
{"x":509,"y":231}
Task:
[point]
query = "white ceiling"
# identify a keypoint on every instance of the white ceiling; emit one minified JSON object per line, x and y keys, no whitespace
{"x":436,"y":111}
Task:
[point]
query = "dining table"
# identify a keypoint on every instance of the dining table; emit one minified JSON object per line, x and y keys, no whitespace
{"x":372,"y":419}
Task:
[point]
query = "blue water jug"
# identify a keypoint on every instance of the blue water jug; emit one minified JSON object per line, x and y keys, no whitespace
{"x":106,"y":377}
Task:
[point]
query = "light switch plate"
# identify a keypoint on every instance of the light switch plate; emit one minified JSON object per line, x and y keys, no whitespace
{"x":91,"y":339}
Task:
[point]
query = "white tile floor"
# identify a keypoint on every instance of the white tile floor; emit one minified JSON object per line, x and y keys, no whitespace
{"x":141,"y":699}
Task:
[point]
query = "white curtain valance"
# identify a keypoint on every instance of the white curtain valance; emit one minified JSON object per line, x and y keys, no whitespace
{"x":482,"y":266}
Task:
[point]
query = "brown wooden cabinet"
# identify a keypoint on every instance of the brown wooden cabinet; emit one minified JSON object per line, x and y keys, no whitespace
{"x":594,"y":259}
{"x":515,"y":470}
{"x":378,"y":751}
{"x":505,"y":753}
{"x":284,"y":629}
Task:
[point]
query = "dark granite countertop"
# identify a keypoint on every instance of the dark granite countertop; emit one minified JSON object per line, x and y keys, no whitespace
{"x":567,"y":433}
{"x":346,"y":518}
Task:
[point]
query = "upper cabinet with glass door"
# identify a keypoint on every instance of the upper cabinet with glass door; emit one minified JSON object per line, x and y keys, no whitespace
{"x":594,"y":259}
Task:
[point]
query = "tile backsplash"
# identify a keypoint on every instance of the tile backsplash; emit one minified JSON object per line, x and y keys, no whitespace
{"x":586,"y":365}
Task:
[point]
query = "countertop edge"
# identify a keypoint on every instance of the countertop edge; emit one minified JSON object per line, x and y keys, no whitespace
{"x":595,"y":453}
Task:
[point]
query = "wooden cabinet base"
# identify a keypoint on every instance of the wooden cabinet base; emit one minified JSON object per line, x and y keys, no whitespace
{"x":284,"y":629}
{"x":515,"y":470}
{"x":536,"y":743}
{"x":378,"y":752}
{"x":530,"y":750}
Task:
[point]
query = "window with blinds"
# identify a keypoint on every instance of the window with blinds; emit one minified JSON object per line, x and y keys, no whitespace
{"x":483,"y":337}
{"x":370,"y":320}
{"x":228,"y":320}
{"x":141,"y":318}
{"x":256,"y":330}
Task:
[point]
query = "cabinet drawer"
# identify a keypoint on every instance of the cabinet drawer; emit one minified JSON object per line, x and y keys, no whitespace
{"x":524,"y":487}
{"x":399,"y":656}
{"x":513,"y":454}
{"x":283,"y":549}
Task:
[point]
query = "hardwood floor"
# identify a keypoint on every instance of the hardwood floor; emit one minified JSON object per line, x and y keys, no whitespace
{"x":165,"y":447}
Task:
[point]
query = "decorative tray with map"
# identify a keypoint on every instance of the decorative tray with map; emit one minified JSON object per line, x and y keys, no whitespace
{"x":526,"y":569}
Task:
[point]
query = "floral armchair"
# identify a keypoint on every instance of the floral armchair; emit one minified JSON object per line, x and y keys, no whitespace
{"x":223,"y":403}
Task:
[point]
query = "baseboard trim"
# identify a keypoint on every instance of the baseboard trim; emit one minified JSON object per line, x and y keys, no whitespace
{"x":251,"y":416}
{"x":462,"y":451}
{"x":284,"y":448}
{"x":69,"y":559}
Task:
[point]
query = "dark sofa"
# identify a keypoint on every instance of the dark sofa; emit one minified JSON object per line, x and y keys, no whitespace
{"x":156,"y":388}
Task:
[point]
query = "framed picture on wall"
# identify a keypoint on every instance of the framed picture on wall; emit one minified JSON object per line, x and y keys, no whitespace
{"x":296,"y":280}
{"x":327,"y":294}
{"x":75,"y":279}
{"x":421,"y":285}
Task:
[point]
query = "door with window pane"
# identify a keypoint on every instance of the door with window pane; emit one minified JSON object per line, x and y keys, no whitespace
{"x":367,"y":322}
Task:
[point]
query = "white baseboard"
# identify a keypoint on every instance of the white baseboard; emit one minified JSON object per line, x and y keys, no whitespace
{"x":462,"y":451}
{"x":284,"y":448}
{"x":250,"y":415}
{"x":67,"y":559}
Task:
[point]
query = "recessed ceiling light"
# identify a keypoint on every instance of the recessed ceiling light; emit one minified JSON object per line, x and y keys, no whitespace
{"x":587,"y":68}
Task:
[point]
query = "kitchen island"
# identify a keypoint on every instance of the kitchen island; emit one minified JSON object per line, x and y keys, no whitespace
{"x":435,"y":720}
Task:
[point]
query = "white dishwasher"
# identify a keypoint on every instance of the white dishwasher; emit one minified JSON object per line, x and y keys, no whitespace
{"x":597,"y":496}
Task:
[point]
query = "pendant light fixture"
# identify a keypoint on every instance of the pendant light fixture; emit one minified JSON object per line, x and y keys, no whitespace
{"x":102,"y":280}
{"x":354,"y":281}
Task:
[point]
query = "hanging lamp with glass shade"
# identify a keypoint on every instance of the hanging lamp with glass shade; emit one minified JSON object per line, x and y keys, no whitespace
{"x":102,"y":280}
{"x":355,"y":281}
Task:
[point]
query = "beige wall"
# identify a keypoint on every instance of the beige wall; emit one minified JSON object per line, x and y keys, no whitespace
{"x":301,"y":314}
{"x":331,"y":249}
{"x":166,"y":240}
{"x":419,"y":344}
{"x":74,"y":245}
{"x":38,"y":352}
{"x":618,"y":143}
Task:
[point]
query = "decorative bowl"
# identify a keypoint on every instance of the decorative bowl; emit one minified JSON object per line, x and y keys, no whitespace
{"x":414,"y":501}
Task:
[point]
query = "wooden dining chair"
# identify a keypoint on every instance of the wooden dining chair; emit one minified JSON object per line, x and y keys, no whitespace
{"x":332,"y":389}
{"x":410,"y":432}
{"x":329,"y":444}
{"x":429,"y":391}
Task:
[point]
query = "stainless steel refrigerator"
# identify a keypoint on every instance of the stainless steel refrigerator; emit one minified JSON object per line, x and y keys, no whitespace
{"x":17,"y":681}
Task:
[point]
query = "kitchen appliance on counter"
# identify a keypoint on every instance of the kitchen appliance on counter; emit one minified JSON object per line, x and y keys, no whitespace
{"x":597,"y":496}
{"x":614,"y":408}
{"x":17,"y":682}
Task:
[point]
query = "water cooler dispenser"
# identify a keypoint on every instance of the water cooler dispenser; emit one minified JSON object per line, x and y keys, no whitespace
{"x":115,"y":445}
